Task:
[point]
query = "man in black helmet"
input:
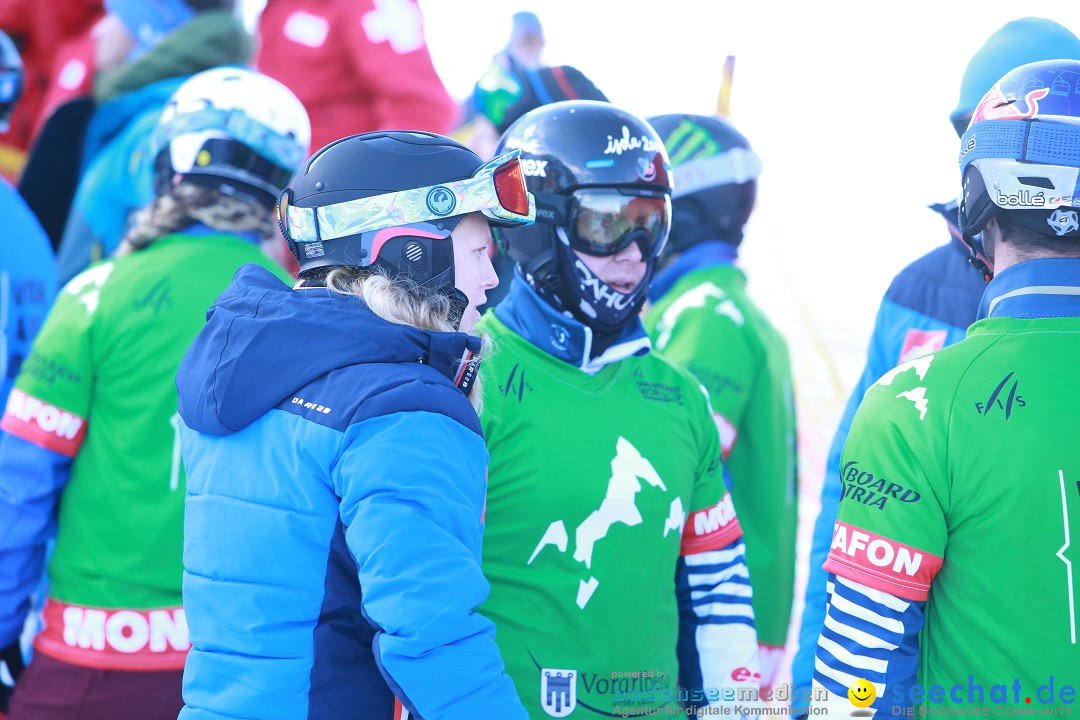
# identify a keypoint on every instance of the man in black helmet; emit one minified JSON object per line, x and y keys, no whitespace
{"x":618,"y":577}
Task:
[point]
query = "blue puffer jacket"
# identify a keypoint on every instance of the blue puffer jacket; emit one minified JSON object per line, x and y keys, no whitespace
{"x":929,"y":305}
{"x":336,"y":482}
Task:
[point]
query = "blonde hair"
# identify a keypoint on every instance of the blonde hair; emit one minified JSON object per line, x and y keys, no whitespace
{"x":186,"y":204}
{"x":401,"y":301}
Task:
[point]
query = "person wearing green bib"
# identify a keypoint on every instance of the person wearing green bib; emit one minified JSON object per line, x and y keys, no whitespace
{"x":90,"y":451}
{"x":951,"y":582}
{"x":616,"y":562}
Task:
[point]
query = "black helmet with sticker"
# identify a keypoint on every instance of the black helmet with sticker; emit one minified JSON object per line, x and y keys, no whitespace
{"x":717,"y":173}
{"x":602,"y":182}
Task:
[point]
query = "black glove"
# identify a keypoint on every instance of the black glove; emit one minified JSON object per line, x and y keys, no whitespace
{"x":11,"y":657}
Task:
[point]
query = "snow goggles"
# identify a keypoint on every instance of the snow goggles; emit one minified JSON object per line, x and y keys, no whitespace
{"x":734,"y":167}
{"x":1027,"y":165}
{"x":604,"y":222}
{"x":281,"y":150}
{"x":497,"y":190}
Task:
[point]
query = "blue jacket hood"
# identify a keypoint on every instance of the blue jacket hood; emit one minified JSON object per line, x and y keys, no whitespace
{"x":264,"y":341}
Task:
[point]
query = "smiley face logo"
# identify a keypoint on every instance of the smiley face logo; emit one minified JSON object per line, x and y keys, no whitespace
{"x":861,"y":693}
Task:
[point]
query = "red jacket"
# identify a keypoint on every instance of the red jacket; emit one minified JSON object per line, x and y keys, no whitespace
{"x":49,"y":34}
{"x":357,"y":65}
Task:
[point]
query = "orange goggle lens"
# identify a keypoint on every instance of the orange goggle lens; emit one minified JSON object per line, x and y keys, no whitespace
{"x":510,"y":187}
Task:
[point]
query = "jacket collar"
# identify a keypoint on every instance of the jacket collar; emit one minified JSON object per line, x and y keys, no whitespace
{"x":1048,"y":287}
{"x":562,"y":337}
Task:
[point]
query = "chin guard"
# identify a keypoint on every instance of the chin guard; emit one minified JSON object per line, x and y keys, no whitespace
{"x":459,"y":303}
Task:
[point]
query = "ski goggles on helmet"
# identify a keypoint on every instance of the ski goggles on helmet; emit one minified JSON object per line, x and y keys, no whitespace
{"x":1025,"y":165}
{"x":604,"y":221}
{"x":281,"y":150}
{"x":734,"y":167}
{"x":497,"y":190}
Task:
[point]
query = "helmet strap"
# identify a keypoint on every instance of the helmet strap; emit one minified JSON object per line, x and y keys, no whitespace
{"x":543,"y":267}
{"x":459,"y":303}
{"x":978,"y":258}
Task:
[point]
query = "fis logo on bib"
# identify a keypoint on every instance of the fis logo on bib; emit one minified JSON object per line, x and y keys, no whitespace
{"x":1005,"y":398}
{"x":558,"y":691}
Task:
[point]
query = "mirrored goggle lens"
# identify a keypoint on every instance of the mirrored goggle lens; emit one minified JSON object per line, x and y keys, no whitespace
{"x":607,"y":221}
{"x":510,"y":187}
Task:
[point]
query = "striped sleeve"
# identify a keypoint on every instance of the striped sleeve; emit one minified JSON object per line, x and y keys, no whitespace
{"x":868,"y":635}
{"x":717,"y":646}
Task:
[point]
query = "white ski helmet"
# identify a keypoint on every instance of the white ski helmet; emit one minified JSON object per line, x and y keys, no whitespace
{"x":232,"y":129}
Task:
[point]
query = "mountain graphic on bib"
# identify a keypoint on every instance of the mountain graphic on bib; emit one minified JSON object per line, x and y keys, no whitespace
{"x":628,"y":469}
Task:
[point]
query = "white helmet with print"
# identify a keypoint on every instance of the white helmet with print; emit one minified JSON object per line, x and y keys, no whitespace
{"x":232,"y":129}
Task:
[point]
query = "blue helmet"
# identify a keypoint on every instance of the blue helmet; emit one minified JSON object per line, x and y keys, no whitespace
{"x":1019,"y":42}
{"x":392,"y":200}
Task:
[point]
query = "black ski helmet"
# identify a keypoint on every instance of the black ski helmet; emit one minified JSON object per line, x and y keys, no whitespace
{"x":11,"y":79}
{"x":1021,"y":154}
{"x":391,"y":199}
{"x":573,"y":152}
{"x":717,"y":175}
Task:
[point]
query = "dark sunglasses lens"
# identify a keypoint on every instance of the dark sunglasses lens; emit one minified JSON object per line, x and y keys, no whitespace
{"x":605,"y":222}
